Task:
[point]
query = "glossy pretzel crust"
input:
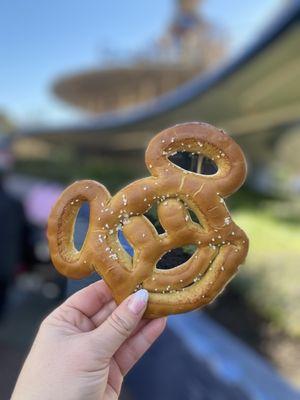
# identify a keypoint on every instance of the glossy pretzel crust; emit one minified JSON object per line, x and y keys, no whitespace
{"x":221,"y":245}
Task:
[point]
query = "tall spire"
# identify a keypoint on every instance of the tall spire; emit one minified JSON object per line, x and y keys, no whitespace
{"x":190,"y":40}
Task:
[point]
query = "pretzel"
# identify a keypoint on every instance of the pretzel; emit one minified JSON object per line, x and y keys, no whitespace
{"x":221,"y":246}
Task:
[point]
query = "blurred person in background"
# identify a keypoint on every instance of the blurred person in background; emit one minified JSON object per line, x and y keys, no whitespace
{"x":16,"y":250}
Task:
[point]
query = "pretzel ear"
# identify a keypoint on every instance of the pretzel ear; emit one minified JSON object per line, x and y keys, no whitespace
{"x":204,"y":139}
{"x":67,"y":259}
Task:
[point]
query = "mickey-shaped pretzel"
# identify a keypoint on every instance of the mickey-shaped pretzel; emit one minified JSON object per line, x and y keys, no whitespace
{"x":221,"y":246}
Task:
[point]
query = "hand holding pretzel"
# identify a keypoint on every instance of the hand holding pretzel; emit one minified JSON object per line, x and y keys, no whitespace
{"x":221,"y":245}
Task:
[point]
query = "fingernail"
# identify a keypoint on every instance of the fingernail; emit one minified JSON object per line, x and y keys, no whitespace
{"x":138,"y":301}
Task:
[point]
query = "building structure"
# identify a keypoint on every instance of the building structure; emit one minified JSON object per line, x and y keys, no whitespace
{"x":188,"y":47}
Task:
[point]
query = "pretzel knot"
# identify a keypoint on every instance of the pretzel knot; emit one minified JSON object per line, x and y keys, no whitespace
{"x":221,"y":246}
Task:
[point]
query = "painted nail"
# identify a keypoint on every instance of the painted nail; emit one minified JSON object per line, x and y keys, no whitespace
{"x":138,"y":301}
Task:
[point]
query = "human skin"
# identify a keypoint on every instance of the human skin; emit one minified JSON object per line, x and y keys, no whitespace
{"x":85,"y":347}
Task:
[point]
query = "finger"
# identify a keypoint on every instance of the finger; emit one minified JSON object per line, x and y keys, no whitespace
{"x":121,"y":323}
{"x":140,"y":325}
{"x":104,"y":313}
{"x":133,"y":349}
{"x":90,"y":299}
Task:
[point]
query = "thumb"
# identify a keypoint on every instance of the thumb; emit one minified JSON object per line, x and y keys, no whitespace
{"x":121,"y":323}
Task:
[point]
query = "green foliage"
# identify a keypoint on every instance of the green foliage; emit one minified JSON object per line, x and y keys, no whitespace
{"x":247,"y":199}
{"x":112,"y":174}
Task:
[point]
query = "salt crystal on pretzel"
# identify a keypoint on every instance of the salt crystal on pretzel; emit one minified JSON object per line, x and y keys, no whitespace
{"x":221,"y":246}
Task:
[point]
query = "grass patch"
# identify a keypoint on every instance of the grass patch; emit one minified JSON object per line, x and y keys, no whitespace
{"x":270,"y":279}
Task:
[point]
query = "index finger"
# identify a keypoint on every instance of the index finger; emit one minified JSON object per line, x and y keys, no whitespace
{"x":90,"y":299}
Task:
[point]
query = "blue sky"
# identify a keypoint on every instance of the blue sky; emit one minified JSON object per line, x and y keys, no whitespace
{"x":41,"y":40}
